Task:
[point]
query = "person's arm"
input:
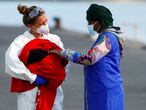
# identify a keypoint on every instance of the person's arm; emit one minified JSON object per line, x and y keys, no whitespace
{"x":13,"y":65}
{"x":101,"y":49}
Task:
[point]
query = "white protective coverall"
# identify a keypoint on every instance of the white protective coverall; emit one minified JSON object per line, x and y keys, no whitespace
{"x":15,"y":68}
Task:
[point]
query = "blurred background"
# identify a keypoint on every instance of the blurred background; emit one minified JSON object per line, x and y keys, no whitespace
{"x":67,"y":19}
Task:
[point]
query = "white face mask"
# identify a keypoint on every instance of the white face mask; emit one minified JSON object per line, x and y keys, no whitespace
{"x":43,"y":29}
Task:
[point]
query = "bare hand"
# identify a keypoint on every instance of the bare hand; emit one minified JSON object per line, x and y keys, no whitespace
{"x":56,"y":51}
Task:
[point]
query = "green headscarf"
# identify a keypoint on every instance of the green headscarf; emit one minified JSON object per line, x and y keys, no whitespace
{"x":100,"y":13}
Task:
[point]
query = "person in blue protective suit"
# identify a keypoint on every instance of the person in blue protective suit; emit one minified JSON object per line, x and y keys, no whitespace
{"x":103,"y":82}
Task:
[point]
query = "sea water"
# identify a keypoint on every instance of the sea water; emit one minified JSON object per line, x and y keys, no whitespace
{"x":130,"y":16}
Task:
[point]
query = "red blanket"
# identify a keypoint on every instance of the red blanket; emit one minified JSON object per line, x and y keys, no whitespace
{"x":51,"y":67}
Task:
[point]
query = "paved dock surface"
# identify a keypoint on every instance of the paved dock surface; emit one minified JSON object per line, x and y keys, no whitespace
{"x":133,"y":68}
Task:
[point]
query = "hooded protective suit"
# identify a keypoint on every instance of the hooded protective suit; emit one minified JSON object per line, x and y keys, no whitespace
{"x":16,"y":68}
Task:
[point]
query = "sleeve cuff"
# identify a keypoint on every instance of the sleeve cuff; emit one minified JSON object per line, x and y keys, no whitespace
{"x":33,"y":78}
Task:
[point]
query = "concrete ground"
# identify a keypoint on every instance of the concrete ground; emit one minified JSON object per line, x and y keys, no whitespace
{"x":133,"y":68}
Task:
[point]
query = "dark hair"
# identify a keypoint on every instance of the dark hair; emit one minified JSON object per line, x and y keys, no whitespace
{"x":25,"y":11}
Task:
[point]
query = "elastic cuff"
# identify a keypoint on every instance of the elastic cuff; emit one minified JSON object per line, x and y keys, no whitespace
{"x":33,"y":78}
{"x":75,"y":57}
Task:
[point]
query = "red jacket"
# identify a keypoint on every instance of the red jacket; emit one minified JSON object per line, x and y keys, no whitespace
{"x":51,"y":67}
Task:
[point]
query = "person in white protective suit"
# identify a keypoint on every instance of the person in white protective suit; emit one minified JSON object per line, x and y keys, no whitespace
{"x":35,"y":20}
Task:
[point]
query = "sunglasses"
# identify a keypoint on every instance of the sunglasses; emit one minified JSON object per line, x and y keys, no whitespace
{"x":35,"y":12}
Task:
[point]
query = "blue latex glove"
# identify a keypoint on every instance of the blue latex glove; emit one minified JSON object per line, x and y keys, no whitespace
{"x":39,"y":81}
